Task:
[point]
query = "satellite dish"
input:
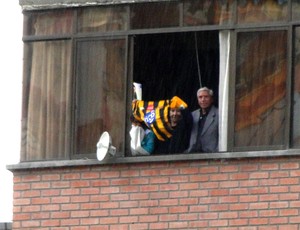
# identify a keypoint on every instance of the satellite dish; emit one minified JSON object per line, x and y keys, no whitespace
{"x":104,"y":146}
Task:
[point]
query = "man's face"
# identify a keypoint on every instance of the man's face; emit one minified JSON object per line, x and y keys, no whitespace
{"x":175,"y":116}
{"x":204,"y":99}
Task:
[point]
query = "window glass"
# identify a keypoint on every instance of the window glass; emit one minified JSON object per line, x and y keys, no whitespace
{"x":296,"y":10}
{"x":260,"y":100}
{"x":54,"y":22}
{"x":296,"y":93}
{"x":94,"y":19}
{"x":154,"y":15}
{"x":207,"y":12}
{"x":46,"y":101}
{"x":257,"y":11}
{"x":101,"y":97}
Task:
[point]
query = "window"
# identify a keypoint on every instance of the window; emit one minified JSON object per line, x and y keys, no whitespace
{"x":80,"y":64}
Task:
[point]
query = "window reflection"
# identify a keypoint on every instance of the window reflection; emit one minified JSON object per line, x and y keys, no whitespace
{"x":296,"y":95}
{"x":154,"y":15}
{"x":256,"y":11}
{"x":101,"y":101}
{"x":55,"y":22}
{"x":94,"y":19}
{"x":260,"y":102}
{"x":207,"y":12}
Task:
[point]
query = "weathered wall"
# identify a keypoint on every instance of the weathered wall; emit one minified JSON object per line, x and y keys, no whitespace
{"x":261,"y":193}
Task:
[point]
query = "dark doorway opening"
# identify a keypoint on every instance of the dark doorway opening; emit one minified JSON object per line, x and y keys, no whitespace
{"x":167,"y":65}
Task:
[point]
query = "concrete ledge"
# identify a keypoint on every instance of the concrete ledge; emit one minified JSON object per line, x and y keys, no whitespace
{"x":51,"y":4}
{"x":148,"y":159}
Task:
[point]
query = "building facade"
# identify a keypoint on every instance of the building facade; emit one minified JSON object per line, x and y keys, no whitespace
{"x":80,"y":60}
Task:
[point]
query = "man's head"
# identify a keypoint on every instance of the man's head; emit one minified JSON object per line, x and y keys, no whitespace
{"x":175,"y":116}
{"x":205,"y":97}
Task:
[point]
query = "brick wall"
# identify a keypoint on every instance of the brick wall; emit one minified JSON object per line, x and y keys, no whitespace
{"x":260,"y":193}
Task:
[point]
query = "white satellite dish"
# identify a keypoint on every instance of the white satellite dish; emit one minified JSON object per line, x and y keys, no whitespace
{"x":104,"y":146}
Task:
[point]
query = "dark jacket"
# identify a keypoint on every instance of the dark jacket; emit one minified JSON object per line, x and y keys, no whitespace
{"x":210,"y":133}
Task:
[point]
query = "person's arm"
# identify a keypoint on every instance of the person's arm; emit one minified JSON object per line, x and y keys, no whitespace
{"x":149,"y":142}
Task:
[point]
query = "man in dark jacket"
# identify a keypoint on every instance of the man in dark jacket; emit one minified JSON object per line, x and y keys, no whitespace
{"x":205,"y":131}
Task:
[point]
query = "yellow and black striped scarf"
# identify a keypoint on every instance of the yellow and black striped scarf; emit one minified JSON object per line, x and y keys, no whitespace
{"x":155,"y":114}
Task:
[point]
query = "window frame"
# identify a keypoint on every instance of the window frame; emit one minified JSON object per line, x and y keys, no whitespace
{"x":231,"y":152}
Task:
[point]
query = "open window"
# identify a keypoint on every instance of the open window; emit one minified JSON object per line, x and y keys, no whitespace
{"x":176,"y":64}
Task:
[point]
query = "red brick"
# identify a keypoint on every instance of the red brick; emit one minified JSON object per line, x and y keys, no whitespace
{"x":169,"y":202}
{"x":279,"y":204}
{"x":178,"y":209}
{"x":238,"y":222}
{"x":278,"y":220}
{"x":209,"y":169}
{"x":169,"y":172}
{"x":288,"y":227}
{"x":269,"y":167}
{"x":258,"y":221}
{"x":268,"y":213}
{"x":208,"y":185}
{"x":148,"y":188}
{"x":289,"y":196}
{"x":248,"y":199}
{"x":189,"y":186}
{"x":218,"y":223}
{"x":219,"y":177}
{"x":239,"y":176}
{"x":128,"y":219}
{"x":168,"y":217}
{"x":249,"y":168}
{"x":279,"y":174}
{"x":294,"y":219}
{"x":248,"y":214}
{"x":178,"y":225}
{"x":179,"y":179}
{"x":139,"y":181}
{"x":179,"y":194}
{"x":119,"y":182}
{"x":278,"y":189}
{"x":168,"y":187}
{"x":228,"y":215}
{"x":229,"y":199}
{"x":208,"y":216}
{"x":289,"y":181}
{"x":259,"y":175}
{"x":290,"y":165}
{"x":119,"y":197}
{"x":110,"y":174}
{"x":229,"y":168}
{"x":119,"y":212}
{"x":40,"y":185}
{"x":219,"y":192}
{"x":289,"y":212}
{"x":50,"y":223}
{"x":71,"y":176}
{"x":159,"y":180}
{"x":269,"y":197}
{"x":108,"y":220}
{"x":158,"y":210}
{"x":129,"y":189}
{"x":189,"y":171}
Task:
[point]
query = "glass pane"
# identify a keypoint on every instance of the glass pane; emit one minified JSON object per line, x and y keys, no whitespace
{"x":101,"y":102}
{"x":296,"y":102}
{"x":48,"y":22}
{"x":46,"y":101}
{"x":260,"y":101}
{"x":93,"y":19}
{"x":207,"y":12}
{"x":257,"y":11}
{"x":154,"y":15}
{"x":295,"y":10}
